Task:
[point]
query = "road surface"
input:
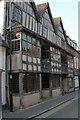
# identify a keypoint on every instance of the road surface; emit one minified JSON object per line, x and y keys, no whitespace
{"x":66,"y":110}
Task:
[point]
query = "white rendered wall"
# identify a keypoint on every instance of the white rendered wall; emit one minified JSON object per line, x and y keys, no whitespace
{"x":2,"y":68}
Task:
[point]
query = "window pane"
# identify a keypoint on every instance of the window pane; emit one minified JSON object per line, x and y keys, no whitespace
{"x":15,"y":14}
{"x":19,"y":16}
{"x":23,"y":36}
{"x":38,"y":43}
{"x":29,"y":39}
{"x":29,"y":22}
{"x":28,"y":9}
{"x":12,"y":45}
{"x":23,"y":45}
{"x":33,"y":40}
{"x":44,"y":32}
{"x":15,"y":45}
{"x":29,"y":46}
{"x":51,"y":49}
{"x":32,"y":24}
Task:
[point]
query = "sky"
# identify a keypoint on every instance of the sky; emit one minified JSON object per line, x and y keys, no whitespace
{"x":1,"y":15}
{"x":68,"y":11}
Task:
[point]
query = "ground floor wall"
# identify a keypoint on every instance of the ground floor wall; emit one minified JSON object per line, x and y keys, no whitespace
{"x":3,"y":89}
{"x":56,"y":92}
{"x":28,"y":100}
{"x":30,"y":89}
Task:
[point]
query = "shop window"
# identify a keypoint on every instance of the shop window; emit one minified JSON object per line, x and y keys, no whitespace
{"x":30,"y":83}
{"x":45,"y":81}
{"x":56,"y":81}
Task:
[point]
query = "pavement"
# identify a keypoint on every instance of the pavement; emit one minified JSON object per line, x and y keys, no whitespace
{"x":67,"y":110}
{"x":34,"y":111}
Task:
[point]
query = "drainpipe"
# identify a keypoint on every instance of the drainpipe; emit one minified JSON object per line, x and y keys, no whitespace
{"x":6,"y":55}
{"x":11,"y":92}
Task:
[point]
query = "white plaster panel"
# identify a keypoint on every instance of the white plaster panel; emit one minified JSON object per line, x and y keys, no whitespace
{"x":39,"y":61}
{"x":34,"y":68}
{"x":34,"y":60}
{"x":30,"y":67}
{"x":39,"y":68}
{"x":24,"y":57}
{"x":29,"y":59}
{"x":24,"y":66}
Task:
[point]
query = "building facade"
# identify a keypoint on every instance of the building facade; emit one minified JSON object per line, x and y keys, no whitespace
{"x":73,"y":48}
{"x":40,"y":64}
{"x":3,"y":82}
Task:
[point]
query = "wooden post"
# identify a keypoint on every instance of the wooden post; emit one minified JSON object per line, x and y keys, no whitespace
{"x":50,"y":84}
{"x":40,"y":86}
{"x":21,"y":89}
{"x":61,"y":84}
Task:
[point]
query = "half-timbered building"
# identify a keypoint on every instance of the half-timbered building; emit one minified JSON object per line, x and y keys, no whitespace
{"x":39,"y":62}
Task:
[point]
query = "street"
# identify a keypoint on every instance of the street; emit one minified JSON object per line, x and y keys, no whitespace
{"x":66,"y":110}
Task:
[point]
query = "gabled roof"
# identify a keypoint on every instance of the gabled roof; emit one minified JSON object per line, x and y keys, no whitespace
{"x":41,"y":8}
{"x":35,"y":10}
{"x":57,"y":21}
